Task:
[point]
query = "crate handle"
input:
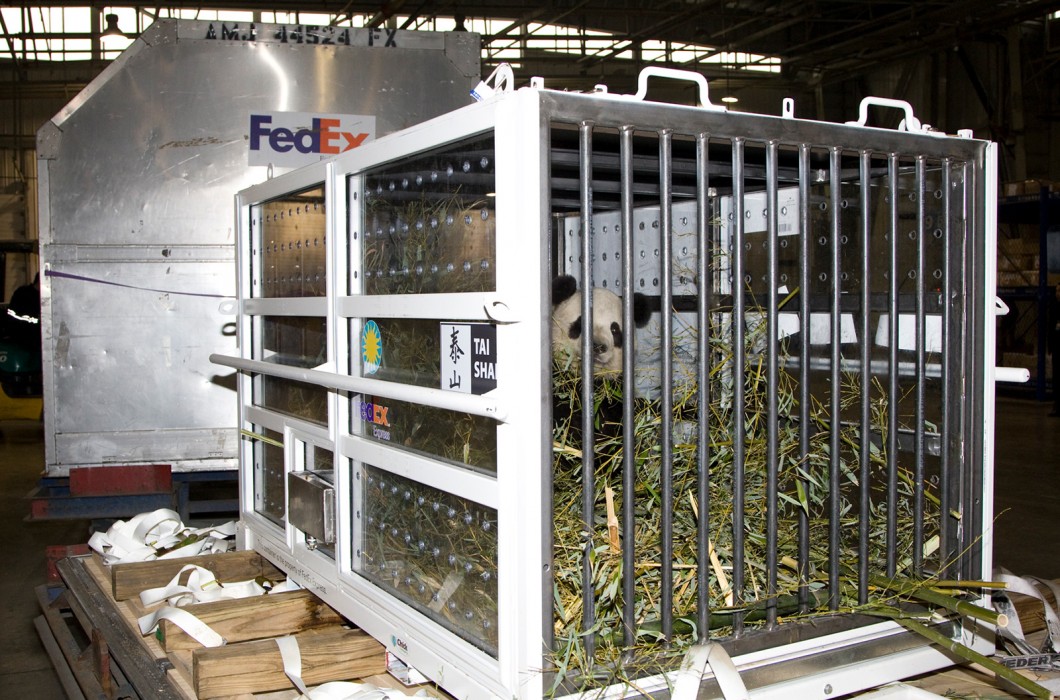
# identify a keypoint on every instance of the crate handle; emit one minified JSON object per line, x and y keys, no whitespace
{"x":661,"y":72}
{"x":503,"y":82}
{"x":910,"y":123}
{"x":499,"y":312}
{"x":787,"y":108}
{"x":1000,"y":307}
{"x":1012,"y":375}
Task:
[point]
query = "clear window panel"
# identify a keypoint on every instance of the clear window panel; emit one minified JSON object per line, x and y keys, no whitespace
{"x":321,"y":461}
{"x":409,"y":351}
{"x":296,"y":399}
{"x":433,"y":550}
{"x":429,"y":222}
{"x":458,"y":438}
{"x":269,"y":476}
{"x":288,"y":238}
{"x":318,"y":460}
{"x":294,"y":341}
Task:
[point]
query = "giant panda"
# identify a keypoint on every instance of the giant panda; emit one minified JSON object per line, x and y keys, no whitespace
{"x":567,"y":325}
{"x":607,"y":337}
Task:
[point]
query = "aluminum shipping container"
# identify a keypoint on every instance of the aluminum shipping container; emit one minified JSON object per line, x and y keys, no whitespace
{"x":805,"y":414}
{"x":137,"y":176}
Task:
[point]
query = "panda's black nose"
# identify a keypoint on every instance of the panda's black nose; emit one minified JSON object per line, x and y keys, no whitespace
{"x":599,"y":348}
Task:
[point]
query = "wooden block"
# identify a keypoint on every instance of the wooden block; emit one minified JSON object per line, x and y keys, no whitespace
{"x":128,"y":580}
{"x":1032,"y":619}
{"x":181,"y":670}
{"x":251,"y":667}
{"x":253,"y":618}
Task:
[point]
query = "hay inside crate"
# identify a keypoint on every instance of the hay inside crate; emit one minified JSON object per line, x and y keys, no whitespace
{"x":802,"y":486}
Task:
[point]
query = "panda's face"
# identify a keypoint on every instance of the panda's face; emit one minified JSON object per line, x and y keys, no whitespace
{"x":607,"y":335}
{"x":607,"y":331}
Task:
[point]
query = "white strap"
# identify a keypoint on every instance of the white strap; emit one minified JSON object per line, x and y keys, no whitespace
{"x":197,"y":579}
{"x":193,"y":626}
{"x":207,"y":545}
{"x":1013,"y":631}
{"x":201,"y":587}
{"x":1053,"y":587}
{"x":292,"y":661}
{"x":1016,"y":584}
{"x":334,"y":690}
{"x":144,"y":536}
{"x":221,"y":531}
{"x":152,"y":527}
{"x":347,"y":690}
{"x":115,"y":548}
{"x":285,"y":586}
{"x":697,"y":660}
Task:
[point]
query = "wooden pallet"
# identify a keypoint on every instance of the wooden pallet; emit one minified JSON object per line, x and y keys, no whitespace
{"x":89,"y":625}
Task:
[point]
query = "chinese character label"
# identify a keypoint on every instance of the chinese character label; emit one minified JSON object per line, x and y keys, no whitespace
{"x":469,"y":357}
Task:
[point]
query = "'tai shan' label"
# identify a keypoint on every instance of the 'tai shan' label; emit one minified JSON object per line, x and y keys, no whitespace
{"x":469,"y":357}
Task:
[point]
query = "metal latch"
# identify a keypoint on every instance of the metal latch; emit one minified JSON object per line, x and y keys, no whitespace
{"x":311,"y":506}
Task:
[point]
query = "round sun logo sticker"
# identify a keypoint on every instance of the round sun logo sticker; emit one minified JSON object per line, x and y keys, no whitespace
{"x":371,"y":347}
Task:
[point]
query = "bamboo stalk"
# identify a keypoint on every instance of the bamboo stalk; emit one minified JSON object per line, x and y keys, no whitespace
{"x":924,"y":593}
{"x":612,"y":521}
{"x":967,"y":654}
{"x":990,"y":585}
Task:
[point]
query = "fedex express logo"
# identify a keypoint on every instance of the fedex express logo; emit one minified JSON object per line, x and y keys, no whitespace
{"x":293,"y":139}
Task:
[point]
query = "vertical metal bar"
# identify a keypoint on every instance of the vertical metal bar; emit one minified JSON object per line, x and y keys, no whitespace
{"x":921,"y":375}
{"x":667,"y":427}
{"x":738,"y":371}
{"x":892,"y":371}
{"x":629,"y":443}
{"x":865,"y":428}
{"x":1044,"y":219}
{"x":946,"y":545}
{"x":835,"y":502}
{"x":772,"y":389}
{"x":976,"y":314}
{"x":554,"y":255}
{"x":585,"y":153}
{"x":704,"y":276}
{"x":804,"y":367}
{"x":553,"y":265}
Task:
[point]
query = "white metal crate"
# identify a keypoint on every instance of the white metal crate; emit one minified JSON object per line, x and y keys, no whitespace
{"x":418,"y":381}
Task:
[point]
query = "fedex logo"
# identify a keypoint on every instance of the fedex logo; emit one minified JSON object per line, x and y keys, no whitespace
{"x":297,"y":138}
{"x":323,"y":137}
{"x":374,"y":413}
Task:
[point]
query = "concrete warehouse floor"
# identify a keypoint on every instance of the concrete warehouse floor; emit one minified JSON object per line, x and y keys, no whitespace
{"x":1027,"y":536}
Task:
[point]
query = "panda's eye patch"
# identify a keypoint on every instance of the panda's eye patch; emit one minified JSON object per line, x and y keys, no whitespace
{"x":575,"y":330}
{"x":616,"y":333}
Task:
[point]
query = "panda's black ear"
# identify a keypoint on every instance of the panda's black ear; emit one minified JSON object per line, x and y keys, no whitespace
{"x":563,"y":288}
{"x":641,"y":310}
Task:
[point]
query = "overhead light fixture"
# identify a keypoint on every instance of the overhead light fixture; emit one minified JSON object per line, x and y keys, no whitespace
{"x":112,"y":31}
{"x":730,"y":99}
